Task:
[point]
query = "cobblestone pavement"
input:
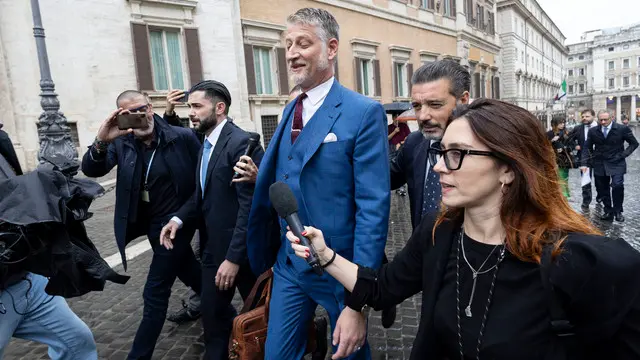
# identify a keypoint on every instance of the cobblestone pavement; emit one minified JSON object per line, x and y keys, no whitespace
{"x":115,"y":313}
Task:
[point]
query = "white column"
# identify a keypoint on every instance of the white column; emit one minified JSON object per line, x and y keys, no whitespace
{"x":632,"y":115}
{"x":618,"y":108}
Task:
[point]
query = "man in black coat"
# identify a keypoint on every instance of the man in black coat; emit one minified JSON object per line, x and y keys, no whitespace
{"x":606,"y":143}
{"x":220,"y":209}
{"x":156,"y":169}
{"x":579,"y":136}
{"x":436,"y":90}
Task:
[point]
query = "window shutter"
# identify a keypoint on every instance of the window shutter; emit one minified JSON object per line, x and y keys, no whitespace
{"x":193,"y":55}
{"x":358,"y":65}
{"x":432,"y":4}
{"x":142,"y":56}
{"x":282,"y":72}
{"x":476,"y":80}
{"x":453,"y":8}
{"x":409,"y":76}
{"x":376,"y":78}
{"x":251,"y":71}
{"x":496,"y":87}
{"x":395,"y":80}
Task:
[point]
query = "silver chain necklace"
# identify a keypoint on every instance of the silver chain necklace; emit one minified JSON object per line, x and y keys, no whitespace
{"x":486,"y":310}
{"x":475,"y":272}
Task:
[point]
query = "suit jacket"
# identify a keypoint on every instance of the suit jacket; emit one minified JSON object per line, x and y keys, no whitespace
{"x":577,"y":137}
{"x":409,"y":167}
{"x":222,"y":213}
{"x":594,"y":276}
{"x":609,"y":153}
{"x":180,"y":152}
{"x":344,"y":185}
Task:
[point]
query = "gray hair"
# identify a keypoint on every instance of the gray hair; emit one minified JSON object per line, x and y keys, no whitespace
{"x":326,"y":24}
{"x":606,"y":111}
{"x":444,"y":69}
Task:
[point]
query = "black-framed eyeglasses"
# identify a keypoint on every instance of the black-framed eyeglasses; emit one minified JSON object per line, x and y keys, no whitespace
{"x":453,"y":157}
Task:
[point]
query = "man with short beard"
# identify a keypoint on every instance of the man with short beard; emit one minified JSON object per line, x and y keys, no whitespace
{"x":219,"y":209}
{"x":156,"y":176}
{"x":436,"y":89}
{"x":331,"y":149}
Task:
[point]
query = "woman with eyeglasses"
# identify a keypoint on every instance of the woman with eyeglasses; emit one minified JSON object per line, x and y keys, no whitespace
{"x":507,"y":270}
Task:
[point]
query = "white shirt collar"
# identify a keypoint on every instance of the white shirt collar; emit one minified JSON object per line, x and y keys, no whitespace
{"x":319,"y":92}
{"x":215,"y":134}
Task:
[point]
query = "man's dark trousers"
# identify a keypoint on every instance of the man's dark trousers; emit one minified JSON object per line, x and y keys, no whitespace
{"x":616,"y":193}
{"x":166,"y":265}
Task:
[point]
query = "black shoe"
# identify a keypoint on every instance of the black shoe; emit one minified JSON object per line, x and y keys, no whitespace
{"x":388,"y":317}
{"x":585,"y":207}
{"x":598,"y":202}
{"x":183,"y":315}
{"x":607,"y":216}
{"x":322,"y":344}
{"x":619,"y":217}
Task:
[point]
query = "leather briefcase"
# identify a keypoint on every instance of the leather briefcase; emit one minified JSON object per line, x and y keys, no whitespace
{"x":249,"y":332}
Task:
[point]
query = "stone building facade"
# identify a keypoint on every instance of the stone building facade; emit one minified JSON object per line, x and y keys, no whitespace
{"x":98,"y":48}
{"x":533,"y":55}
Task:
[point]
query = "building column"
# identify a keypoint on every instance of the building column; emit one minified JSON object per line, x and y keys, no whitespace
{"x":618,"y":108}
{"x":632,"y":115}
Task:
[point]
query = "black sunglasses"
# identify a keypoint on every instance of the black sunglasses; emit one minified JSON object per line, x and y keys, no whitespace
{"x":453,"y":157}
{"x":142,"y":108}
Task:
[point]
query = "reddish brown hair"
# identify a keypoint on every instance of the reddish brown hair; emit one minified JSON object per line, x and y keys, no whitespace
{"x":534,"y":211}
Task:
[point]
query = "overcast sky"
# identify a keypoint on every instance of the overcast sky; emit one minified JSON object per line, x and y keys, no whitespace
{"x":574,"y":17}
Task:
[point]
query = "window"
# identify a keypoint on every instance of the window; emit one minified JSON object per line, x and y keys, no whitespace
{"x":581,"y":88}
{"x":571,"y":73}
{"x":581,"y":71}
{"x":264,"y":71}
{"x":611,"y":49}
{"x":366,"y":77}
{"x":625,"y":46}
{"x":166,"y":59}
{"x":269,"y":125}
{"x":638,"y":61}
{"x":612,"y":83}
{"x":625,"y":63}
{"x":522,"y":57}
{"x":401,"y":80}
{"x":625,"y":81}
{"x":570,"y":89}
{"x":612,"y":65}
{"x":570,"y":58}
{"x":427,"y":4}
{"x":449,"y":8}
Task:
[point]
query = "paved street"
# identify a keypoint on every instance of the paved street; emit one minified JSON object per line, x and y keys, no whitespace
{"x":114,"y":314}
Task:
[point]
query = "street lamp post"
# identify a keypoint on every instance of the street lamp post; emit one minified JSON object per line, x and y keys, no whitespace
{"x":53,"y":132}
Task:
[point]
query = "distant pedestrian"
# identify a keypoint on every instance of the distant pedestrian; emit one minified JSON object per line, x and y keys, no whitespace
{"x":561,"y":143}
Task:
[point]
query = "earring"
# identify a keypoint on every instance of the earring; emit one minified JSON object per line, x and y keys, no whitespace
{"x":502,"y":187}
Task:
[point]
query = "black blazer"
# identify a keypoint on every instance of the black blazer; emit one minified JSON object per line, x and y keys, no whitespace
{"x":408,"y":166}
{"x":609,"y":153}
{"x":222,"y":214}
{"x":596,"y":276}
{"x":578,"y":138}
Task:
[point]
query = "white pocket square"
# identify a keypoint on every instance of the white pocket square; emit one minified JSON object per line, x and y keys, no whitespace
{"x":331,"y":137}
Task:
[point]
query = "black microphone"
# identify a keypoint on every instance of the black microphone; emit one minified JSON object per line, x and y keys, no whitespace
{"x":286,"y":205}
{"x":254,"y":141}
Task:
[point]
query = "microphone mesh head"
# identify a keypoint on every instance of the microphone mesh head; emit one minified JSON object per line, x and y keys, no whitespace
{"x":282,"y":199}
{"x":254,"y":137}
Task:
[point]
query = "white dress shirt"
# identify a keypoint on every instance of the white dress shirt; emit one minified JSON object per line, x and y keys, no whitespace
{"x":315,"y":99}
{"x":213,"y":139}
{"x":608,"y":129}
{"x":587,"y":128}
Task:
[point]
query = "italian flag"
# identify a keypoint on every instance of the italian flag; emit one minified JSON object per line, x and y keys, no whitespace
{"x":563,"y":91}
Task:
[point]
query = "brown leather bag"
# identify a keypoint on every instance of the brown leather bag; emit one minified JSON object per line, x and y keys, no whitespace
{"x":249,"y":332}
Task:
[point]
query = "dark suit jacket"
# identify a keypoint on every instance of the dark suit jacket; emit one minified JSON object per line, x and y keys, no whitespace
{"x":180,"y":152}
{"x":596,"y":278}
{"x":409,"y":167}
{"x":577,"y":137}
{"x":9,"y":153}
{"x":609,"y":153}
{"x":222,"y":214}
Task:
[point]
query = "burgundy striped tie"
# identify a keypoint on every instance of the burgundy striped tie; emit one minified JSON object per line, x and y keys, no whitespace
{"x":297,"y":126}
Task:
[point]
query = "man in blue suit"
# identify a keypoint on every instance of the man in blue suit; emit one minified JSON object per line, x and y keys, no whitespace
{"x":331,"y":149}
{"x":436,"y":89}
